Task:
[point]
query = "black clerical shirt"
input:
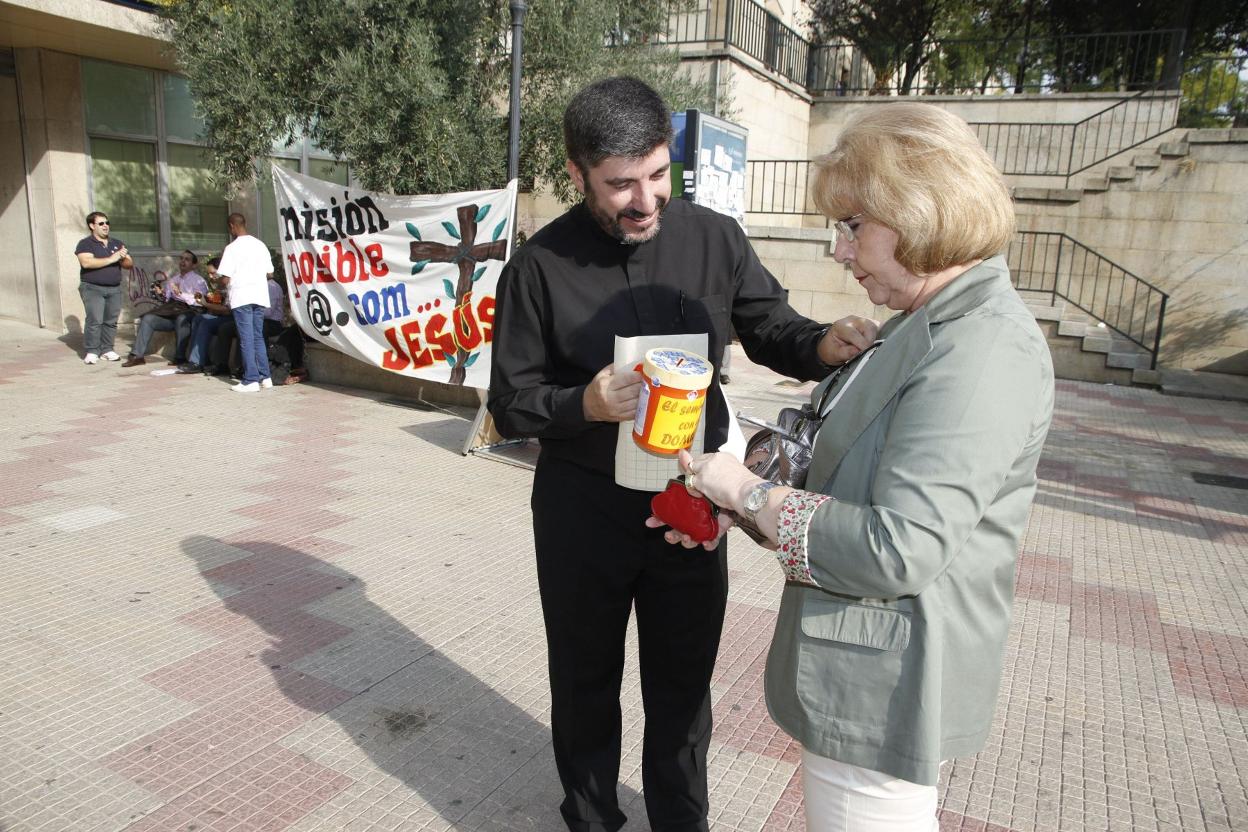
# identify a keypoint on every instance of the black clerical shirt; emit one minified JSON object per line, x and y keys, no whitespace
{"x":572,"y":288}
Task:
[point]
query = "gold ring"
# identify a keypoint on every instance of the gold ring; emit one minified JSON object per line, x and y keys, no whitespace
{"x":689,"y":481}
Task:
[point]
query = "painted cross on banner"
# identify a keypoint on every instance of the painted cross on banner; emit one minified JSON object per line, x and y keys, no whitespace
{"x":399,"y":282}
{"x":466,"y":256}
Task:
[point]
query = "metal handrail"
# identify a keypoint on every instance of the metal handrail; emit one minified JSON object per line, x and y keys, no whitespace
{"x":1052,"y":262}
{"x":1042,"y":261}
{"x":1069,"y":148}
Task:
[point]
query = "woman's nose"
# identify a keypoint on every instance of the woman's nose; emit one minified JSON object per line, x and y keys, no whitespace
{"x":843,"y":252}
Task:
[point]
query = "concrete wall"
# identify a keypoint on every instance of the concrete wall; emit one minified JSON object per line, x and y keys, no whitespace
{"x":819,"y":287}
{"x":17,"y":278}
{"x":1182,"y":226}
{"x":1045,"y":145}
{"x":55,"y":142}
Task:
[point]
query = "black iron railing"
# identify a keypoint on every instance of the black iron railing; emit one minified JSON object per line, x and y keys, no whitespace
{"x":1054,"y":263}
{"x":1068,"y":148}
{"x":1118,"y":61}
{"x":1122,"y":61}
{"x":778,"y":187}
{"x":1215,"y":92}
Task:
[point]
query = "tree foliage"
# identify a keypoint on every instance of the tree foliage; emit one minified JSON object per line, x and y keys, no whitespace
{"x":1002,"y":43}
{"x":414,"y":93}
{"x":891,"y":34}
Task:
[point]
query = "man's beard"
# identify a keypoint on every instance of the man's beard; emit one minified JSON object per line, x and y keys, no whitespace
{"x":611,"y":224}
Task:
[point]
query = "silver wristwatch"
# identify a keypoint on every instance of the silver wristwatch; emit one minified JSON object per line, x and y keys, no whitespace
{"x":755,"y":499}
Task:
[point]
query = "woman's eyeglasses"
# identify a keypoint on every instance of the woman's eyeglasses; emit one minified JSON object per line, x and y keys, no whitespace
{"x":844,"y":229}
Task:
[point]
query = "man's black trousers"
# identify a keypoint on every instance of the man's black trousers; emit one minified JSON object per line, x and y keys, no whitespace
{"x":596,"y":560}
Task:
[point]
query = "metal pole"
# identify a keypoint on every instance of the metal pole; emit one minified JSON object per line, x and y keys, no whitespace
{"x":1020,"y":81}
{"x":518,"y":10}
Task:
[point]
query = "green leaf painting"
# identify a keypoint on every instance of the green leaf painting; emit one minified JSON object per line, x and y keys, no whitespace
{"x":472,"y":359}
{"x":413,"y":230}
{"x":450,"y":229}
{"x":449,"y":288}
{"x":477,"y":274}
{"x":450,"y":358}
{"x":498,"y":232}
{"x":419,"y":266}
{"x":482,"y":211}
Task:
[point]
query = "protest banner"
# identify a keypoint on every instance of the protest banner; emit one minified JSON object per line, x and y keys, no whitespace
{"x":406,"y":283}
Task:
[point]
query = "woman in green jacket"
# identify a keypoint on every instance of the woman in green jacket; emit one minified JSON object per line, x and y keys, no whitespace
{"x":899,"y":559}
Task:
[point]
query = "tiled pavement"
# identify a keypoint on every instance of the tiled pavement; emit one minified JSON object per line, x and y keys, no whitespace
{"x":304,"y":610}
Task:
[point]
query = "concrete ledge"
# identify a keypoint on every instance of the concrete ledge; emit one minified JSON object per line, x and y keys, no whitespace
{"x":328,"y":366}
{"x":1047,"y":194}
{"x":1146,"y":162}
{"x":1096,"y":184}
{"x":780,"y":232}
{"x":1122,"y":172}
{"x":1217,"y":135}
{"x":1173,"y":149}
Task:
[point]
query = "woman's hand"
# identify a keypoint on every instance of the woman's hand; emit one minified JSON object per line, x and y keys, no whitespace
{"x":847,"y":338}
{"x":672,"y":536}
{"x":720,"y":477}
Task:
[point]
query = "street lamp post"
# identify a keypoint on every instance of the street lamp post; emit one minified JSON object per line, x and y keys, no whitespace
{"x":518,"y":10}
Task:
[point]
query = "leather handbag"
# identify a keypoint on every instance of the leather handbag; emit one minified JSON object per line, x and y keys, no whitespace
{"x":782,"y":451}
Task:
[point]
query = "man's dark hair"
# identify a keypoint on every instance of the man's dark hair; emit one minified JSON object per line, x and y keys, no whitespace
{"x":91,"y":218}
{"x":237,"y":219}
{"x":621,"y":117}
{"x":194,"y":258}
{"x":215,"y":262}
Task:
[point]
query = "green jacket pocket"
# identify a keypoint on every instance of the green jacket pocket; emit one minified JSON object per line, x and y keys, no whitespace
{"x":874,"y":627}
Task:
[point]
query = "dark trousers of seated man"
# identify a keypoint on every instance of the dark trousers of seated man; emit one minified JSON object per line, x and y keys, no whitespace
{"x":227,"y":334}
{"x":150,"y":324}
{"x":596,"y":562}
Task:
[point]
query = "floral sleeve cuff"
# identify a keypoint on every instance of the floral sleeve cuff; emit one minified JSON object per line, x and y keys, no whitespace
{"x":791,"y":528}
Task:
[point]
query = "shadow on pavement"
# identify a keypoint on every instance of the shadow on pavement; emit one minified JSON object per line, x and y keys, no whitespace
{"x":460,"y":747}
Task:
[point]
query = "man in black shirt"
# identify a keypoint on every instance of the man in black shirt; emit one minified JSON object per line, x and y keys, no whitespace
{"x":101,"y":260}
{"x":626,"y":261}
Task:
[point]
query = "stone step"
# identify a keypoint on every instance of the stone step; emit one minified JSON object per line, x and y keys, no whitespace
{"x":1216,"y":135}
{"x":1171,"y":149}
{"x":1128,"y":360}
{"x":1046,"y":313}
{"x":1148,"y":162}
{"x":1146,"y":378}
{"x":1096,"y":184}
{"x":1075,"y":329}
{"x":1098,"y":343}
{"x":1022,"y":194}
{"x":1121,"y":173}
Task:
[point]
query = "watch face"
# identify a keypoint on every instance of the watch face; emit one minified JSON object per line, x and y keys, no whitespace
{"x":757,"y":498}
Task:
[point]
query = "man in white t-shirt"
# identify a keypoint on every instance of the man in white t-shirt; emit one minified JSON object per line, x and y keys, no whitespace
{"x":247,"y":264}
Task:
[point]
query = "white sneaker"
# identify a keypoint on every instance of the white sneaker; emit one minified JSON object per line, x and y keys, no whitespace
{"x":266,"y":383}
{"x":254,"y":387}
{"x":111,"y":356}
{"x":90,"y":358}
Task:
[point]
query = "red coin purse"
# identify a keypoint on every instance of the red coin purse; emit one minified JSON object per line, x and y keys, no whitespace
{"x":694,"y":516}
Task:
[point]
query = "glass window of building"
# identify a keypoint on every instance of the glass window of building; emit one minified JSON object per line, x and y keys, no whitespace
{"x":123,"y":177}
{"x":150,"y":169}
{"x":197,"y":206}
{"x":120,"y":100}
{"x":181,"y":120}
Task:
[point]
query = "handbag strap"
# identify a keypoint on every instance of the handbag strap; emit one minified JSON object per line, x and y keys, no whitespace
{"x":853,"y":366}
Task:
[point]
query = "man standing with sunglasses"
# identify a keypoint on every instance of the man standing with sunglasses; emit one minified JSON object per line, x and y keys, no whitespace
{"x":101,"y":260}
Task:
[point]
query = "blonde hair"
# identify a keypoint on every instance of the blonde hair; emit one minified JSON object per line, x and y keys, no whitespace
{"x":922,"y":172}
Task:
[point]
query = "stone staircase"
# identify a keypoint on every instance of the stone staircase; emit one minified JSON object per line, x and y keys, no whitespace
{"x":1084,"y":349}
{"x":1138,"y":164}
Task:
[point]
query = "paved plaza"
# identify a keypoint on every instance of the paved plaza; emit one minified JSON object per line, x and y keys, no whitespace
{"x":304,"y":610}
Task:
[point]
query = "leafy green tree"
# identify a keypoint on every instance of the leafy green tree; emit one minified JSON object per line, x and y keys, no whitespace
{"x":414,"y":93}
{"x":891,"y":34}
